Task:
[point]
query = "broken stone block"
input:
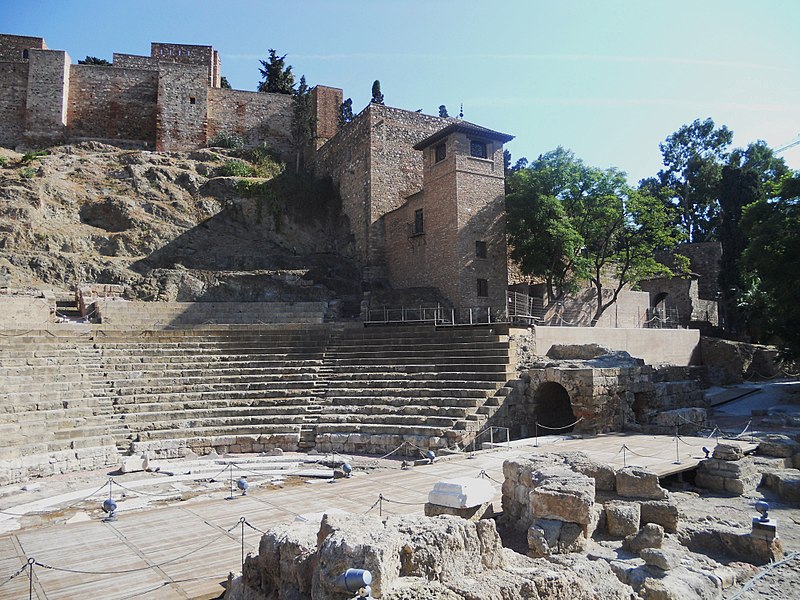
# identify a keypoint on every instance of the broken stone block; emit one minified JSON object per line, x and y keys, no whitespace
{"x":550,"y":536}
{"x":604,"y":475}
{"x":133,"y":464}
{"x":622,"y":518}
{"x":660,"y":558}
{"x":649,"y":536}
{"x":660,"y":512}
{"x":565,"y":498}
{"x":635,"y":482}
{"x":728,"y":452}
{"x":781,"y":446}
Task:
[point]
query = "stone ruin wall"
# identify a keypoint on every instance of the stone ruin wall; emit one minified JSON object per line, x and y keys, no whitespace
{"x":46,"y":101}
{"x":112,"y":103}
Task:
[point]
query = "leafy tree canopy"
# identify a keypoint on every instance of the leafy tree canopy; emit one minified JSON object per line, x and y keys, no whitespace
{"x":276,"y":77}
{"x":569,"y":222}
{"x":771,"y":260}
{"x":443,"y":111}
{"x":93,"y":60}
{"x":302,"y":119}
{"x":223,"y":83}
{"x":346,"y":112}
{"x":693,"y":158}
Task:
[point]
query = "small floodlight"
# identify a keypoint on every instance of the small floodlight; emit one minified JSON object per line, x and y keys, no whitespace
{"x":763,"y":508}
{"x":706,"y":451}
{"x":110,"y":508}
{"x":357,"y":581}
{"x":243,"y":485}
{"x":347,"y":469}
{"x":431,"y":456}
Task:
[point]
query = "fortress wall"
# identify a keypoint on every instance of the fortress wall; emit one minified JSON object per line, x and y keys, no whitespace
{"x":46,"y":102}
{"x":256,"y":117}
{"x":408,"y":255}
{"x":14,"y":86}
{"x":112,"y":103}
{"x":345,"y":158}
{"x":182,"y":109}
{"x":13,"y":47}
{"x":134,"y":61}
{"x":189,"y":54}
{"x":327,"y":103}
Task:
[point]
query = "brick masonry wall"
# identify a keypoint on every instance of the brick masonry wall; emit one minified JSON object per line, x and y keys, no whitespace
{"x":327,"y":102}
{"x":112,"y":103}
{"x":256,"y":117}
{"x":14,"y":86}
{"x":12,"y":47}
{"x":182,"y":107}
{"x":46,"y":102}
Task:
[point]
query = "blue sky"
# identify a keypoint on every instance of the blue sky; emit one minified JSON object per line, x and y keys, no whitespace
{"x":609,"y":79}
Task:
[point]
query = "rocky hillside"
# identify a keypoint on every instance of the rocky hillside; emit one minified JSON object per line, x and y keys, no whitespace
{"x":211,"y":225}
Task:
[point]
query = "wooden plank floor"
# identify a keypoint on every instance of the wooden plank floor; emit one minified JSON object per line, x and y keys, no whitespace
{"x":185,"y":550}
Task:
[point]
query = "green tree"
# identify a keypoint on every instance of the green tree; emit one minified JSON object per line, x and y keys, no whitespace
{"x":568,"y":222}
{"x":302,"y":120}
{"x":346,"y":112}
{"x":693,"y":158}
{"x":443,"y":111}
{"x":276,"y":77}
{"x":771,"y":260}
{"x":377,"y":96}
{"x":93,"y":60}
{"x":223,"y":83}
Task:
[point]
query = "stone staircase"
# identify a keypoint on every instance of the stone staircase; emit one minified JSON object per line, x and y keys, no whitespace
{"x":74,"y":400}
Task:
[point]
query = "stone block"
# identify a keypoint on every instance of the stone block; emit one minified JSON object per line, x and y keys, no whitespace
{"x":551,"y":536}
{"x":661,"y":558}
{"x":781,"y":446}
{"x":470,"y":513}
{"x":635,"y":482}
{"x":564,"y":498}
{"x":728,"y":452}
{"x":660,"y":512}
{"x":649,"y":536}
{"x":622,"y":518}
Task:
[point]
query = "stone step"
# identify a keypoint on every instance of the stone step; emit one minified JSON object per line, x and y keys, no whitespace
{"x":373,"y":429}
{"x":142,"y":386}
{"x":356,"y":419}
{"x":267,"y":405}
{"x":251,"y":395}
{"x":217,"y":430}
{"x":408,"y":392}
{"x":379,"y":401}
{"x":192,"y":423}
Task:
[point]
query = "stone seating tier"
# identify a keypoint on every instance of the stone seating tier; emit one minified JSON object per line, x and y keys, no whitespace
{"x":252,"y":388}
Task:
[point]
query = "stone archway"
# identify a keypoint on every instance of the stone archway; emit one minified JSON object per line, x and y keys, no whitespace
{"x":553,"y":407}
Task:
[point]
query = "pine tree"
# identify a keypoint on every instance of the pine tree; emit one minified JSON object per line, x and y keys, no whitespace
{"x":223,"y":83}
{"x":276,"y":78}
{"x":302,"y":119}
{"x":443,"y":111}
{"x":377,"y":96}
{"x":93,"y":60}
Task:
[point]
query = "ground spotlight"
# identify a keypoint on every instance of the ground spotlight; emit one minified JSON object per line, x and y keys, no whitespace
{"x":763,"y":508}
{"x":706,"y":451}
{"x":243,"y":485}
{"x":431,"y":456}
{"x":347,"y":469}
{"x":110,"y":508}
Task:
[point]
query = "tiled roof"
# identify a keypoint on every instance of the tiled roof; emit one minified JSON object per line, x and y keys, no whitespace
{"x":463,"y":127}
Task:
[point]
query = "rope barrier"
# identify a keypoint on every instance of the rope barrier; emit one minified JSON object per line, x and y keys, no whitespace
{"x":626,"y":447}
{"x":385,"y":499}
{"x":483,"y":473}
{"x":763,"y":574}
{"x":19,"y":572}
{"x":117,"y":483}
{"x":559,"y":428}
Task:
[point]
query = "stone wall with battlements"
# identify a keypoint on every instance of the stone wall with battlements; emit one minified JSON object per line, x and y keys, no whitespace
{"x":134,"y":61}
{"x":182,"y":107}
{"x":256,"y":117}
{"x":112,"y":103}
{"x":189,"y":54}
{"x":15,"y":48}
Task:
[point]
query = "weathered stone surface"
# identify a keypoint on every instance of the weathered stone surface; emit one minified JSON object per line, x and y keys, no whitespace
{"x":660,"y":558}
{"x":471,"y":513}
{"x":728,"y":452}
{"x":604,"y":475}
{"x":660,"y":512}
{"x":564,"y":497}
{"x":622,"y":518}
{"x":442,"y":558}
{"x":635,"y":482}
{"x":649,"y":536}
{"x":736,"y":544}
{"x":778,"y":445}
{"x":679,"y":584}
{"x":576,"y":351}
{"x":549,"y":536}
{"x":732,"y":476}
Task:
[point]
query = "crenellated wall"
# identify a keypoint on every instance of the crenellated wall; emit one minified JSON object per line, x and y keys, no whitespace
{"x":182,"y":108}
{"x":14,"y":80}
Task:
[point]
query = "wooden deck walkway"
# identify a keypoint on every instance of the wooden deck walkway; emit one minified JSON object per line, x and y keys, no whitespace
{"x":186,"y":550}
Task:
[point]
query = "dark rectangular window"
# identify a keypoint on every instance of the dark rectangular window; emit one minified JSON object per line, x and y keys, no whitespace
{"x":419,"y":222}
{"x":477,"y":149}
{"x":441,"y":152}
{"x":483,"y":288}
{"x":480,"y":249}
{"x":24,"y":54}
{"x":192,"y":100}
